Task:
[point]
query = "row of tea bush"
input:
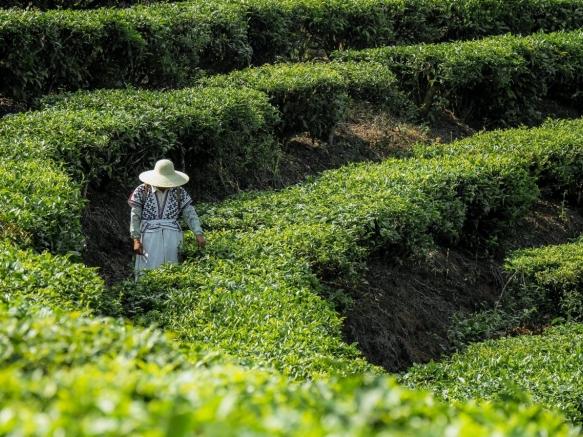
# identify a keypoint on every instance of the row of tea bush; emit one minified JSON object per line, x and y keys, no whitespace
{"x":167,"y":45}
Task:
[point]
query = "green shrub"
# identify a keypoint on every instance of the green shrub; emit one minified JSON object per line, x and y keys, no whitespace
{"x":63,"y":372}
{"x":313,"y":97}
{"x":220,"y":133}
{"x":168,"y":44}
{"x":553,"y":152}
{"x":47,"y":339}
{"x":497,"y":80}
{"x":152,"y":46}
{"x":544,"y":286}
{"x":549,"y":279}
{"x":41,"y":206}
{"x":293,"y":28}
{"x":52,"y":280}
{"x":226,"y":400}
{"x":73,"y":4}
{"x":547,"y":366}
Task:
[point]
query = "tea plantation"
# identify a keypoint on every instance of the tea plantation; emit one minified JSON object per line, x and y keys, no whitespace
{"x":245,"y":336}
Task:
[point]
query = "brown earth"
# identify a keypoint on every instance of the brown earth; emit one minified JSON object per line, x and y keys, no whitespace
{"x":401,"y":313}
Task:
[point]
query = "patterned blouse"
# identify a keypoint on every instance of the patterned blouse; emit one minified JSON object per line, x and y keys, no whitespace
{"x":146,"y":205}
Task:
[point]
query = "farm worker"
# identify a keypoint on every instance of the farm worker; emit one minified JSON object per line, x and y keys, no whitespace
{"x":156,"y":206}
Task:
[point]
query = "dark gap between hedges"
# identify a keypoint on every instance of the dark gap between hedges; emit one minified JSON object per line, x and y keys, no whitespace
{"x":401,"y":313}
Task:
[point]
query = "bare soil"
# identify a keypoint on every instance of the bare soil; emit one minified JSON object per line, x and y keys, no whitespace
{"x":401,"y":313}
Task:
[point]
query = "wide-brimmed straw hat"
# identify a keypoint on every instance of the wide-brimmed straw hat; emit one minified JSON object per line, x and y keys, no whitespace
{"x":164,"y":175}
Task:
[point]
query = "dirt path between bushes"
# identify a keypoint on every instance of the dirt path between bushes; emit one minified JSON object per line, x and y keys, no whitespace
{"x":402,"y":313}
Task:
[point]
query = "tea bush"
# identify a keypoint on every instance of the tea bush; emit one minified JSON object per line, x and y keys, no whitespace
{"x":313,"y":96}
{"x":51,"y":280}
{"x":164,"y":45}
{"x":548,"y":366}
{"x":496,"y":80}
{"x":64,"y":372}
{"x":553,"y":152}
{"x":227,"y":132}
{"x":297,"y":28}
{"x":42,"y":336}
{"x":73,"y":4}
{"x":114,"y":398}
{"x":551,"y":278}
{"x":151,"y":46}
{"x":41,"y":206}
{"x":544,"y":285}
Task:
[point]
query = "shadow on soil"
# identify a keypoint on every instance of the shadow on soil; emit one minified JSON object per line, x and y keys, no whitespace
{"x":401,"y":314}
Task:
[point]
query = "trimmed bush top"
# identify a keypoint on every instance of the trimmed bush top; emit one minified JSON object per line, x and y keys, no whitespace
{"x":166,"y":45}
{"x":547,"y":366}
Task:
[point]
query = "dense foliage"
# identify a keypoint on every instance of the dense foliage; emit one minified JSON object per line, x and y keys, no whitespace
{"x":151,"y":46}
{"x":294,"y":28}
{"x":51,"y":280}
{"x":553,"y":151}
{"x":67,"y":373}
{"x":551,"y":278}
{"x":267,"y":250}
{"x":168,"y":44}
{"x":225,"y":133}
{"x":41,"y":206}
{"x":314,"y":96}
{"x":544,"y":285}
{"x":499,"y":79}
{"x":548,"y":366}
{"x":73,"y":4}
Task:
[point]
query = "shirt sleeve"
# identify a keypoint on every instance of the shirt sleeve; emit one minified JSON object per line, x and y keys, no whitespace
{"x":135,"y":222}
{"x":191,"y":217}
{"x":185,"y":199}
{"x":137,"y":197}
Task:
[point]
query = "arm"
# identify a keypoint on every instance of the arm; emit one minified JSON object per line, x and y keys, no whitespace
{"x":191,"y":218}
{"x":135,"y":224}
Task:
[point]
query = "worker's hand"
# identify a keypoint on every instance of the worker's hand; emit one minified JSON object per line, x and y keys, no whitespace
{"x":138,"y":247}
{"x":200,"y":240}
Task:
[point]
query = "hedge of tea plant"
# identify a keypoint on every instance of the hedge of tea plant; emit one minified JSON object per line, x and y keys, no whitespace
{"x":148,"y":46}
{"x":547,"y":366}
{"x":553,"y":151}
{"x":68,"y":373}
{"x":124,"y":396}
{"x":73,"y":4}
{"x":296,"y":28}
{"x":314,"y":96}
{"x":45,"y":336}
{"x":41,"y":206}
{"x":51,"y":280}
{"x":551,"y":277}
{"x":168,"y":44}
{"x":497,"y":80}
{"x":223,"y":132}
{"x":544,"y":286}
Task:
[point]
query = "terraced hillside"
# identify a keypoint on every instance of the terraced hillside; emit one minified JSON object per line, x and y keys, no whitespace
{"x":308,"y":294}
